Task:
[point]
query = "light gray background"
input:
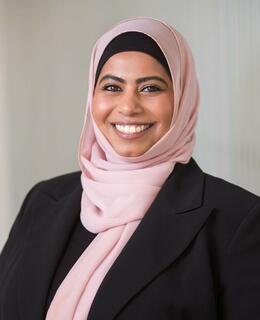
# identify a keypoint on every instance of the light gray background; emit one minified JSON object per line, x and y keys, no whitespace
{"x":44,"y":59}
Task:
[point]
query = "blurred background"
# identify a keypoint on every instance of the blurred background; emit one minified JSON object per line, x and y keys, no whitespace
{"x":45,"y":49}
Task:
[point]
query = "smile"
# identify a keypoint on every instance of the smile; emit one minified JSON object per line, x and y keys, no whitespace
{"x":130,"y":131}
{"x":132,"y":128}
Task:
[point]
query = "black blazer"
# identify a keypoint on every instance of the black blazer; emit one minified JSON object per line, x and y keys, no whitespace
{"x":195,"y":254}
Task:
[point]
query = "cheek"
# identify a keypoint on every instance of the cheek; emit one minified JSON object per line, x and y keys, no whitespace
{"x":168,"y":112}
{"x":169,"y":115}
{"x":100,"y":109}
{"x":163,"y":110}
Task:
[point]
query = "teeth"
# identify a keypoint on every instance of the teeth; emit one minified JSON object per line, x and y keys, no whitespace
{"x":131,"y":128}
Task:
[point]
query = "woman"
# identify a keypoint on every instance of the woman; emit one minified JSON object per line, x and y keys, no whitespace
{"x":141,"y":232}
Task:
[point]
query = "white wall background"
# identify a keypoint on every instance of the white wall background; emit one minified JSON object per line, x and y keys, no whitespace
{"x":45,"y":49}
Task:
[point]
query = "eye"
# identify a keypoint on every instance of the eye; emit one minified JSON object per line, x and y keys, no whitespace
{"x":111,"y":87}
{"x":151,"y":88}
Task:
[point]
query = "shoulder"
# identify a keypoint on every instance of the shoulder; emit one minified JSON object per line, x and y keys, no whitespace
{"x":58,"y":186}
{"x":218,"y":190}
{"x":55,"y":188}
{"x":232,"y":204}
{"x":214,"y":190}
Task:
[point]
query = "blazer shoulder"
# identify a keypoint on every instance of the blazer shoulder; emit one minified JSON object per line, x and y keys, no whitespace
{"x":221,"y":191}
{"x":59,"y":186}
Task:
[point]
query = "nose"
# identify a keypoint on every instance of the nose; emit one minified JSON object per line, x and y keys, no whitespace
{"x":130,"y":103}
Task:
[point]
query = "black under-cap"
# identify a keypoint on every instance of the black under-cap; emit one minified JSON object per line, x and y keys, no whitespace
{"x":132,"y":41}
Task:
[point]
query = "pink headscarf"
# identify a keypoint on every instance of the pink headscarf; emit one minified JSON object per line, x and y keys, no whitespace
{"x":118,"y":190}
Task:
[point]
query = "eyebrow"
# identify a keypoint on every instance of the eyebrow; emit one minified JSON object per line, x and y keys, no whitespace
{"x":138,"y":81}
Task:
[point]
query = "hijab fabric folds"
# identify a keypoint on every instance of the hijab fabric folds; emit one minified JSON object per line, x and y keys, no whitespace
{"x":118,"y":190}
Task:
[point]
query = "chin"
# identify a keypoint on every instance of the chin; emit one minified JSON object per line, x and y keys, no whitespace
{"x":129,"y":153}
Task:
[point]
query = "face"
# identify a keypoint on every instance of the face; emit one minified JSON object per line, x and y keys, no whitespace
{"x":133,"y":102}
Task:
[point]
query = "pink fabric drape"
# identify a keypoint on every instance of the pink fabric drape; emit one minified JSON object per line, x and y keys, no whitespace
{"x":118,"y":190}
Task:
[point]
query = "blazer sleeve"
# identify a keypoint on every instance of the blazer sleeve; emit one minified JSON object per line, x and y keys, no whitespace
{"x":18,"y":230}
{"x":241,"y":281}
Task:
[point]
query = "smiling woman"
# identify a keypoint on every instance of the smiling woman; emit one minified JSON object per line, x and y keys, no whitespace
{"x":133,"y":99}
{"x":140,"y":232}
{"x":133,"y":102}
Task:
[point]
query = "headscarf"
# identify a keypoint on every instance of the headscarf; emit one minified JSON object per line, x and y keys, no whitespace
{"x":118,"y":190}
{"x":132,"y":41}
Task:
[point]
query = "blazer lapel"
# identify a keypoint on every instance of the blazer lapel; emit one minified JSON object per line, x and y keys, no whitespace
{"x":167,"y":228}
{"x":50,"y":232}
